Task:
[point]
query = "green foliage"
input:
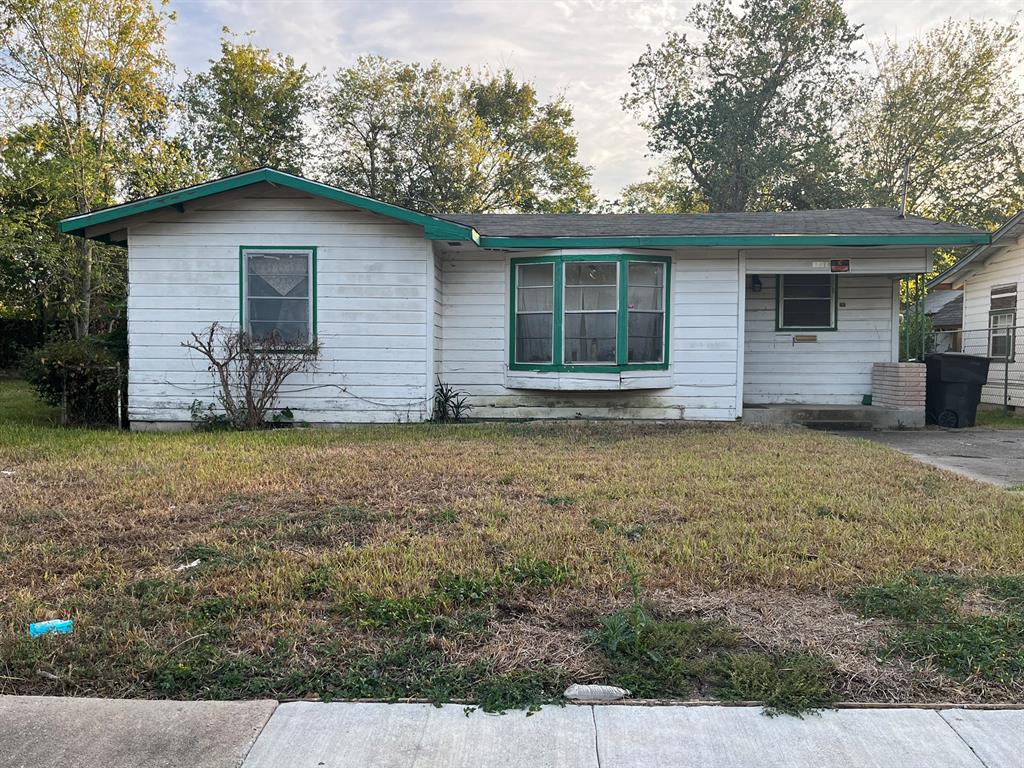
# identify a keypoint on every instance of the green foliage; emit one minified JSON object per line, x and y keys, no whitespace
{"x":247,"y":111}
{"x":207,"y":418}
{"x":80,"y":376}
{"x":915,"y":596}
{"x":784,"y":684}
{"x":934,"y":626}
{"x":90,"y":79}
{"x":437,"y":139}
{"x":449,"y":403}
{"x":950,"y":103}
{"x":750,"y":110}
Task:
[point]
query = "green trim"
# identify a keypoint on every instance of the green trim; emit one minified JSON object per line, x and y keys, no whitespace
{"x":733,"y":241}
{"x":622,"y":317}
{"x":779,"y":328}
{"x":434,"y":228}
{"x":311,"y":249}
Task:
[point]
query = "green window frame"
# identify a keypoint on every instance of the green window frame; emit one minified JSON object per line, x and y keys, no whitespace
{"x":781,"y":299}
{"x":622,"y":312}
{"x":244,"y":299}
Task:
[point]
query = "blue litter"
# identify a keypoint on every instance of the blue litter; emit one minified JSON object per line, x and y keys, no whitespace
{"x":56,"y":626}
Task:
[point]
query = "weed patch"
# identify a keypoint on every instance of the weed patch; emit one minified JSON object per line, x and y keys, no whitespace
{"x":784,"y":684}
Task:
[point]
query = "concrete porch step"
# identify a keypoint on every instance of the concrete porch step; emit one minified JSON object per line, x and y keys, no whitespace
{"x":835,"y":417}
{"x":845,"y":425}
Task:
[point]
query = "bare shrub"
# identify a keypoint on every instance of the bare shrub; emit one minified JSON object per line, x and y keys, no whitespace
{"x":249,"y":371}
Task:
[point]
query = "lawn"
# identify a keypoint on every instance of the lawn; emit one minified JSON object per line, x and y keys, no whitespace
{"x":497,"y":563}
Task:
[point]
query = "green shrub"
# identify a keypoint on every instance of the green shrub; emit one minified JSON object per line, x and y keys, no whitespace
{"x":82,"y":377}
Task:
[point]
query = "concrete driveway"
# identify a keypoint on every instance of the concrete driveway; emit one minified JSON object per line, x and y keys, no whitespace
{"x":991,"y":455}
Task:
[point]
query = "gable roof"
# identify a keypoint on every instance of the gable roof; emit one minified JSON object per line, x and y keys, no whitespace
{"x":435,"y":227}
{"x":842,"y":227}
{"x":947,"y":315}
{"x":1013,"y":227}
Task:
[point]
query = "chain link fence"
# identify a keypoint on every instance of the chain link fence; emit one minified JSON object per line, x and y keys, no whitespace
{"x":1003,"y":345}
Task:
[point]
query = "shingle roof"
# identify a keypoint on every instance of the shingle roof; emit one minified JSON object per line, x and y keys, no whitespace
{"x":950,"y":314}
{"x":843,"y":221}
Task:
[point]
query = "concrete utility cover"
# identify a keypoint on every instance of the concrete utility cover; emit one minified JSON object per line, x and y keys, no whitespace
{"x":990,"y":455}
{"x":46,"y":732}
{"x":742,"y":737}
{"x":311,"y":735}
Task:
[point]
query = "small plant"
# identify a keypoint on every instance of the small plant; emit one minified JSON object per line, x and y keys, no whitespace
{"x":449,"y":404}
{"x":249,"y":371}
{"x":207,"y":418}
{"x":784,"y":684}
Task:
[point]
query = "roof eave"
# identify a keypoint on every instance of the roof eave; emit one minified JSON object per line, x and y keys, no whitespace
{"x":434,"y":227}
{"x":737,"y":241}
{"x":969,"y":260}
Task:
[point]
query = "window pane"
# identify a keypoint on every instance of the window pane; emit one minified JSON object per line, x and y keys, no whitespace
{"x":278,"y":275}
{"x":590,"y":338}
{"x":1000,"y":344}
{"x":278,"y":309}
{"x":590,"y":273}
{"x":646,"y":337}
{"x":591,"y":298}
{"x":646,"y":298}
{"x":807,"y":286}
{"x":533,"y":275}
{"x":533,"y":299}
{"x":646,"y":274}
{"x":807,"y":313}
{"x":533,"y":338}
{"x":287,"y":332}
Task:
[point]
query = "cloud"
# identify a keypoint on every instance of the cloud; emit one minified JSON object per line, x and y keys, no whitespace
{"x":582,"y":48}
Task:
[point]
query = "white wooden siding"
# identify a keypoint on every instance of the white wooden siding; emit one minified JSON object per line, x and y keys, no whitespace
{"x":836,"y":369}
{"x":701,"y":382}
{"x":1005,"y":267}
{"x":372,"y":304}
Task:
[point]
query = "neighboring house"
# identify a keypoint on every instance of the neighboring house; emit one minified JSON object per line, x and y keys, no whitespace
{"x":944,"y":307}
{"x":991,"y":278}
{"x":622,"y":316}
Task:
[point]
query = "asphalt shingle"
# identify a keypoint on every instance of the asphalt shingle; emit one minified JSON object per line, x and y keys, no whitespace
{"x":845,"y":221}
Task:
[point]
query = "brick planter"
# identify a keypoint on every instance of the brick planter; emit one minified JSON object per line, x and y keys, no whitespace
{"x":898,"y":385}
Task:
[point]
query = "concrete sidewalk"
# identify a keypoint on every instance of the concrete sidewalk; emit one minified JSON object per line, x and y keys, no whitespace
{"x":37,"y":732}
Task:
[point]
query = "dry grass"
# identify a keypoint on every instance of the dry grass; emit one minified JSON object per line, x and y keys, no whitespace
{"x":289,"y":523}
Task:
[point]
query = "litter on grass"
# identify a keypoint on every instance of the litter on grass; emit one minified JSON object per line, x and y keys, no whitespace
{"x":595,"y":693}
{"x":53,"y":626}
{"x":186,"y":566}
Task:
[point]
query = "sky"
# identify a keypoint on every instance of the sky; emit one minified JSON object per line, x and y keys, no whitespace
{"x":579,"y":48}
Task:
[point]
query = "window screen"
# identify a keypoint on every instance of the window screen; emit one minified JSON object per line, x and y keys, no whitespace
{"x":646,"y":312}
{"x":806,"y":302}
{"x":278,"y":289}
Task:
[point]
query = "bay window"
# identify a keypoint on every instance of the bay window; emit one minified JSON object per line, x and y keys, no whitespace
{"x":589,"y":313}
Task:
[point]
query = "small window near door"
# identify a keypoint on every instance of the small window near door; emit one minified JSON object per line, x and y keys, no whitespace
{"x":1002,"y":319}
{"x":805,"y":303}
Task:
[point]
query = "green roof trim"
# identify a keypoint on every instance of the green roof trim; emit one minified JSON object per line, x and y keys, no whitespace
{"x":434,"y":228}
{"x":734,"y":241}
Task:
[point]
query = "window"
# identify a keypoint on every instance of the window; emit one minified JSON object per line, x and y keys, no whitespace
{"x":1002,"y":319}
{"x":278,"y":293}
{"x":589,"y":313}
{"x":805,"y":303}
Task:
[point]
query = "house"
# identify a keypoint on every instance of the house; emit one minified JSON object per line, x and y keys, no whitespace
{"x":944,"y":308}
{"x":532,"y":316}
{"x":990,"y":278}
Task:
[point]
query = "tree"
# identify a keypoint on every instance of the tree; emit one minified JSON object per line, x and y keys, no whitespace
{"x":750,"y":111}
{"x":950,"y":103}
{"x":247,"y":111}
{"x":666,"y":191}
{"x":89,"y":72}
{"x":449,"y":140}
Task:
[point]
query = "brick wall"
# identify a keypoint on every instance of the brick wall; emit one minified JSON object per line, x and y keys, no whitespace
{"x":898,"y":385}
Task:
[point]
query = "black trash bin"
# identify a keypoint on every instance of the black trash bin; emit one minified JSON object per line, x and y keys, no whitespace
{"x":954,"y":388}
